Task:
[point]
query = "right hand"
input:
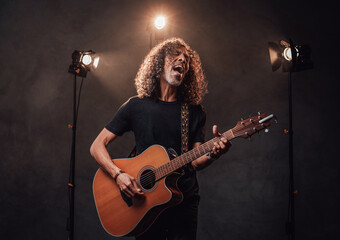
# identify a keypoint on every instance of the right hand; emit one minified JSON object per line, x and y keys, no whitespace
{"x":128,"y":185}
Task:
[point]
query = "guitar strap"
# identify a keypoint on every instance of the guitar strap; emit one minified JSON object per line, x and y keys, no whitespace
{"x":184,"y":130}
{"x":185,"y":126}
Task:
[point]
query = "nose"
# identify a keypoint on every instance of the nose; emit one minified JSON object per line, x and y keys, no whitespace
{"x":181,"y":58}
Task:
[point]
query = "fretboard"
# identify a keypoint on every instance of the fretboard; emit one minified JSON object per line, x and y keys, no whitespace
{"x":189,"y":156}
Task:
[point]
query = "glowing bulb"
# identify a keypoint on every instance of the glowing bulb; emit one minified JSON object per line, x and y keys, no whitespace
{"x":87,"y":59}
{"x":160,"y":22}
{"x":287,"y":53}
{"x":95,"y":62}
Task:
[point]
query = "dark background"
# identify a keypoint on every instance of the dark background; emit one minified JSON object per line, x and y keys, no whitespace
{"x":245,"y":193}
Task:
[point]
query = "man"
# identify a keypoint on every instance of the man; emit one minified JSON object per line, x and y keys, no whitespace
{"x":170,"y":75}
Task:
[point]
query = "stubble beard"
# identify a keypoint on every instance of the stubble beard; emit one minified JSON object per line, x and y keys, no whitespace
{"x":172,"y":80}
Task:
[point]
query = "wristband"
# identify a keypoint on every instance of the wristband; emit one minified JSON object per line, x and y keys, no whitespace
{"x":118,"y":173}
{"x":210,"y":157}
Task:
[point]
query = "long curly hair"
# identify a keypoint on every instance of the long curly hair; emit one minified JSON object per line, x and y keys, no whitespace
{"x":147,"y":81}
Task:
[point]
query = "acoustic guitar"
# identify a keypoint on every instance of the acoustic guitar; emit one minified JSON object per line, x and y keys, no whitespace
{"x":155,"y":174}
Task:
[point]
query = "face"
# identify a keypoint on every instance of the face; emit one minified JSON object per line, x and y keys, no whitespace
{"x":176,"y":65}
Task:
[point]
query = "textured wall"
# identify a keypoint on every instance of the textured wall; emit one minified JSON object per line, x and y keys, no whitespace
{"x":245,"y":193}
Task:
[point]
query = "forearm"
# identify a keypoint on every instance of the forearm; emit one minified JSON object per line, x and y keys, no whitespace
{"x":201,"y":162}
{"x":101,"y":155}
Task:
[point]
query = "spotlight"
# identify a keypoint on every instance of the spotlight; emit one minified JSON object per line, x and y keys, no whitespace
{"x":293,"y":58}
{"x":82,"y":62}
{"x":160,"y":22}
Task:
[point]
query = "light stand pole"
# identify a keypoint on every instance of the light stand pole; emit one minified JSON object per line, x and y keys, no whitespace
{"x":71,"y":184}
{"x":290,"y":227}
{"x":82,"y":62}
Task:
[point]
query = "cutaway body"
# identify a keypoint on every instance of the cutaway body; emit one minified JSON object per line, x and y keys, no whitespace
{"x":121,"y":216}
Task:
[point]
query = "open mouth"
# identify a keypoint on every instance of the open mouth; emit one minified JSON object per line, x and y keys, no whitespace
{"x":178,"y":68}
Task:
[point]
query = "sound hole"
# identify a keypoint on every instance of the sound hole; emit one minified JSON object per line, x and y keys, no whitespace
{"x":147,"y":179}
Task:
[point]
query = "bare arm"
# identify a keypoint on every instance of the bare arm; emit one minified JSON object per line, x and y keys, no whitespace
{"x":100,"y":154}
{"x":98,"y":150}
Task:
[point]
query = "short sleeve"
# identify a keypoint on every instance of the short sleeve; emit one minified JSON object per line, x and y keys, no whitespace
{"x":121,"y":122}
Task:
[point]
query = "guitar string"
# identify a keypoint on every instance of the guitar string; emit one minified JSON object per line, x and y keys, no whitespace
{"x":148,"y":178}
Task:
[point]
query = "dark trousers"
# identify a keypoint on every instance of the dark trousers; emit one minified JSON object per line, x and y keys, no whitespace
{"x":175,"y":223}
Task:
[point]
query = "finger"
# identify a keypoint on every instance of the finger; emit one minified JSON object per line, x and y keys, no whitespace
{"x":137,"y":190}
{"x":133,"y":188}
{"x":215,"y":149}
{"x":215,"y":131}
{"x":217,"y":145}
{"x":127,"y":191}
{"x":226,"y":142}
{"x":222,"y":145}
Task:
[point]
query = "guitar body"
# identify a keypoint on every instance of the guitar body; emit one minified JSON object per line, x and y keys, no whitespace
{"x":122,"y":216}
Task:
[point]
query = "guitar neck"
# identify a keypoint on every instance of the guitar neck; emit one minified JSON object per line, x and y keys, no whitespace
{"x":189,"y":156}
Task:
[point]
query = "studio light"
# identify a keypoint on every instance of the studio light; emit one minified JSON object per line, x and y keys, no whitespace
{"x":292,"y":59}
{"x":160,"y":22}
{"x":82,"y":62}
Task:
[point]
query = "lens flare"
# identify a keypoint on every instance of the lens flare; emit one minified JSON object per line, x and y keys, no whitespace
{"x":160,"y":22}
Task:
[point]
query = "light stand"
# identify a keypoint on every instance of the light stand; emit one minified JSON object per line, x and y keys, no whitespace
{"x":71,"y":184}
{"x":290,"y":224}
{"x":81,"y":63}
{"x":293,"y":58}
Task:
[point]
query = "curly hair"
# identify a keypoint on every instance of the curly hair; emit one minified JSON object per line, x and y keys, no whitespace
{"x":147,"y":81}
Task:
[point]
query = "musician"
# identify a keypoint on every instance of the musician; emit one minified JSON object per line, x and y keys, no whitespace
{"x":170,"y":75}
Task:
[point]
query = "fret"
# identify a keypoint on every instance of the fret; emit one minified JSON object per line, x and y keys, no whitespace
{"x":189,"y":156}
{"x":182,"y":160}
{"x":196,"y":154}
{"x":199,"y":151}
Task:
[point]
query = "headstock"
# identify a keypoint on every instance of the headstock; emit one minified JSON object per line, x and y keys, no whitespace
{"x":246,"y":128}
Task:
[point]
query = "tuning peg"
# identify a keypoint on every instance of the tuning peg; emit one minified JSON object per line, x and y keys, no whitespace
{"x":242,"y":121}
{"x":252,"y":121}
{"x":258,"y":113}
{"x":266,"y":130}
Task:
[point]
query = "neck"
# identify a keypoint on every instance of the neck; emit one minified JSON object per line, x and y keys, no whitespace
{"x":190,"y":156}
{"x":168,"y":92}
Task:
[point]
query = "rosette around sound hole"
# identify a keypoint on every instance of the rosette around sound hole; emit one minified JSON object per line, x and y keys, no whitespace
{"x":147,"y":179}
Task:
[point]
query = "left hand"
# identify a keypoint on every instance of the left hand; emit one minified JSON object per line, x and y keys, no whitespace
{"x":221,"y":146}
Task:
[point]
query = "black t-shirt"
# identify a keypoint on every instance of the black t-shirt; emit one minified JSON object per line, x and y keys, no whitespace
{"x":158,"y":122}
